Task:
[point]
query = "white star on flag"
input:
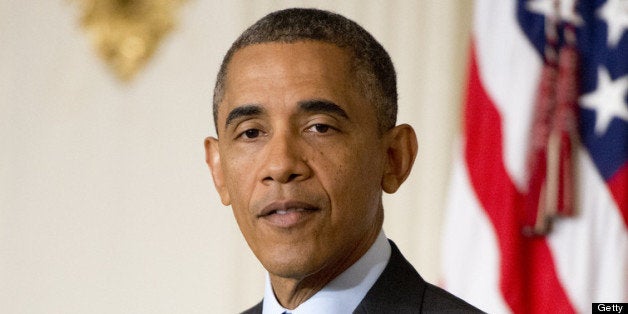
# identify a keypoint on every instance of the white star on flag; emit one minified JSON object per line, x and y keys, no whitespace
{"x":608,"y":100}
{"x":567,"y":10}
{"x":615,"y":13}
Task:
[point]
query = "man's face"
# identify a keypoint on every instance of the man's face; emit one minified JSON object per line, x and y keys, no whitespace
{"x":299,"y":157}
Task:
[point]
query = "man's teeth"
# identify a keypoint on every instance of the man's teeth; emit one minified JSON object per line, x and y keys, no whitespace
{"x":285,"y":211}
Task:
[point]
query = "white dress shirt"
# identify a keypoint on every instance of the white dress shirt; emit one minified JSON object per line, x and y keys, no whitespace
{"x":343,"y":293}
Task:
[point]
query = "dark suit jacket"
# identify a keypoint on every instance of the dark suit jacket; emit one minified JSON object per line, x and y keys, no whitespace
{"x":400,"y":289}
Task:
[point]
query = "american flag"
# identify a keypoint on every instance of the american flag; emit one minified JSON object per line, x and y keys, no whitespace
{"x":537,"y":220}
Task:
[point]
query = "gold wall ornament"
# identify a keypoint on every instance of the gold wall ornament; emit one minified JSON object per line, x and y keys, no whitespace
{"x":126,"y":33}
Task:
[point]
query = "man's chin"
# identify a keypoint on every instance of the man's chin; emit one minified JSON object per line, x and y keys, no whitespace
{"x":295,"y":268}
{"x":291,"y":263}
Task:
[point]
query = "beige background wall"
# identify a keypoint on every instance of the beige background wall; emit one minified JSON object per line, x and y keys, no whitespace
{"x":106,"y":205}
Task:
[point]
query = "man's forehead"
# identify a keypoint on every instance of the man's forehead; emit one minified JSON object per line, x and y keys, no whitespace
{"x":259,"y":69}
{"x":300,"y":53}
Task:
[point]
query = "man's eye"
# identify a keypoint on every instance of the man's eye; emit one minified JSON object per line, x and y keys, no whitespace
{"x":320,"y":128}
{"x":251,"y":133}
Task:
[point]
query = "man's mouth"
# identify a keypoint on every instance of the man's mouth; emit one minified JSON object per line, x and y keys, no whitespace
{"x":286,"y":211}
{"x":286,"y":214}
{"x":286,"y":207}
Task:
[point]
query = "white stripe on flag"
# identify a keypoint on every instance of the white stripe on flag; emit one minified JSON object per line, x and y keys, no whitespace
{"x":469,"y":240}
{"x":510,"y":70}
{"x":591,"y":250}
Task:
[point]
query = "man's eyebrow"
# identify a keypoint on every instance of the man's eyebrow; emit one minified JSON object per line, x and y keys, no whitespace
{"x":323,"y":106}
{"x":243,"y":111}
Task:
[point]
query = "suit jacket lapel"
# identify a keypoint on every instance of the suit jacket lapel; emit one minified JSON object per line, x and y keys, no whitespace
{"x":399,"y":287}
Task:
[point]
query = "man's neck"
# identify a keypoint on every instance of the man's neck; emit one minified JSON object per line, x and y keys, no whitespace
{"x":291,"y":292}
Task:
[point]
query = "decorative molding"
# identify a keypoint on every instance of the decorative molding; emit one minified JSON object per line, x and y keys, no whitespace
{"x":126,"y":33}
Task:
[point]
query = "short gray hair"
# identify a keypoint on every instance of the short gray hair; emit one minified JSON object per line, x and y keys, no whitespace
{"x":372,"y":65}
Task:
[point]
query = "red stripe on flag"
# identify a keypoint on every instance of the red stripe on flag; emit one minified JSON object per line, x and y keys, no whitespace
{"x":618,"y":184}
{"x":528,"y":279}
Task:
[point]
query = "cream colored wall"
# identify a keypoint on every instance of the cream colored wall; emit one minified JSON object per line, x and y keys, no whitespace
{"x":106,"y":205}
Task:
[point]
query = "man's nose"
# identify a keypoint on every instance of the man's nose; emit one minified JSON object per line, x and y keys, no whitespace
{"x":285,"y":161}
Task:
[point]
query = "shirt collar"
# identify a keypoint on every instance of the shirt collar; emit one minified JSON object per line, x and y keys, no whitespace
{"x":343,"y":293}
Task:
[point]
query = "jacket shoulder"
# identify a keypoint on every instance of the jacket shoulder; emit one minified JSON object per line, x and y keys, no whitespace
{"x":438,"y":300}
{"x":400,"y":289}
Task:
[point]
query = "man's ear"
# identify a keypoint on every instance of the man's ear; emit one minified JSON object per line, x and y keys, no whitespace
{"x":402,"y":148}
{"x":212,"y":158}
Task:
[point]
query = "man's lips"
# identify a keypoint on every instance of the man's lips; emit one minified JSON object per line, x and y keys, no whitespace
{"x":286,"y":214}
{"x":285,"y":207}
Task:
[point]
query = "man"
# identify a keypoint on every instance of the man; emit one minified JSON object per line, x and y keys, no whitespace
{"x":305,"y":110}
